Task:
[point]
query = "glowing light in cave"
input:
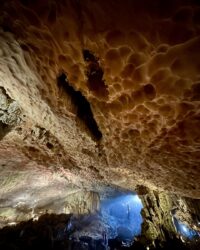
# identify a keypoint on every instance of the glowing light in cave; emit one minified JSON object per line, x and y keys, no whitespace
{"x":122,"y":213}
{"x":184,"y":230}
{"x":12,"y":223}
{"x":119,"y":217}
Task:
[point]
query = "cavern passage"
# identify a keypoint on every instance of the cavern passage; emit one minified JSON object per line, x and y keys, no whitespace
{"x":99,"y":97}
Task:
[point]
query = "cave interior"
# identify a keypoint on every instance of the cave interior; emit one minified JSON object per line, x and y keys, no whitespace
{"x":99,"y":124}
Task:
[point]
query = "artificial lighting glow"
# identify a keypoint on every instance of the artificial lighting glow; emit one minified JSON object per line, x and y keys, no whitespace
{"x":135,"y":198}
{"x":22,"y":198}
{"x":122,"y":213}
{"x":182,"y":239}
{"x":12,"y":223}
{"x":119,"y":217}
{"x":184,"y":228}
{"x":34,"y":216}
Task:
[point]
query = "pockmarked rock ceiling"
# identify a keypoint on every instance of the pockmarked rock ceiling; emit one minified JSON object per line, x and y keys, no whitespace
{"x":98,"y":93}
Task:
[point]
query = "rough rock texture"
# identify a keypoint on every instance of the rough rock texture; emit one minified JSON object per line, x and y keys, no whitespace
{"x":160,"y":210}
{"x":82,"y":203}
{"x":157,"y":218}
{"x":96,"y":93}
{"x":50,"y":233}
{"x":9,"y":113}
{"x":77,"y":203}
{"x":187,"y":210}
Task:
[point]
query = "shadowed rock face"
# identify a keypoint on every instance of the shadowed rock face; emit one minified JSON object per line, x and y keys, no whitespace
{"x":136,"y":65}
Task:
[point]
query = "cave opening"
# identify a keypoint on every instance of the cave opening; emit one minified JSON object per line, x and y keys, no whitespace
{"x":83,"y":108}
{"x":115,"y":225}
{"x":118,"y":220}
{"x":124,"y":217}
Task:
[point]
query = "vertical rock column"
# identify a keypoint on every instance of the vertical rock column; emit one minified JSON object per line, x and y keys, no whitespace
{"x":157,"y":218}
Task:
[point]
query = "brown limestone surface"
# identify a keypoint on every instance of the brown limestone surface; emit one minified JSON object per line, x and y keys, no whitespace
{"x":157,"y":218}
{"x":105,"y":92}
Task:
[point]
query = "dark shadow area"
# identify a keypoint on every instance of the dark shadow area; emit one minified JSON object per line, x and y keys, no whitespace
{"x":41,"y":234}
{"x":88,"y":56}
{"x":84,"y":111}
{"x":4,"y":129}
{"x":94,"y":74}
{"x":8,"y":116}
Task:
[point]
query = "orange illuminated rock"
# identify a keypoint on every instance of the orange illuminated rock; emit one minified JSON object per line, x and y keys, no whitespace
{"x":126,"y":110}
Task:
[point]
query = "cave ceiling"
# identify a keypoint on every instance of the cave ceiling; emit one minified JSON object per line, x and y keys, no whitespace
{"x":98,"y":93}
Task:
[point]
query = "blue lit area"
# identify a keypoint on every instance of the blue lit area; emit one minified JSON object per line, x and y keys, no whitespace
{"x":122,"y":214}
{"x":185,"y":231}
{"x":119,"y":218}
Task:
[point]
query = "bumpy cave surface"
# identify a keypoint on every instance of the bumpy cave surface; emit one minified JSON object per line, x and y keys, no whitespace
{"x":98,"y":96}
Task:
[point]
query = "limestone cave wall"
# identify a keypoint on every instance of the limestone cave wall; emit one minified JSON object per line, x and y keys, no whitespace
{"x":96,"y":94}
{"x":157,"y":217}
